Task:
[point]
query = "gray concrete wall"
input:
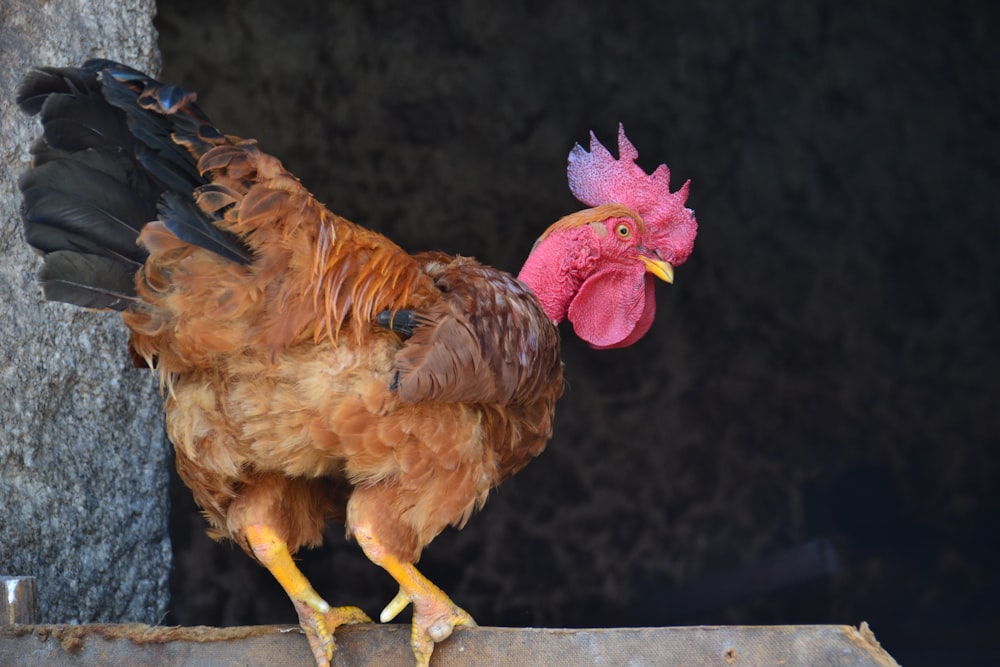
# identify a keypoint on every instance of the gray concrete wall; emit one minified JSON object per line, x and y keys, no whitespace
{"x":83,"y":456}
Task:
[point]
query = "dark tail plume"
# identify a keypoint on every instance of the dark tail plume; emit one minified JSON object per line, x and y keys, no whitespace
{"x":118,"y":150}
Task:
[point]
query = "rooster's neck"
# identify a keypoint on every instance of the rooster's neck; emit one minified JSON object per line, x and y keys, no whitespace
{"x":549,"y":273}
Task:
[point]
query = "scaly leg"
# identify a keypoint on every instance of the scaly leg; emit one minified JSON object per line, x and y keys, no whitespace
{"x":317,"y":618}
{"x":434,"y":614}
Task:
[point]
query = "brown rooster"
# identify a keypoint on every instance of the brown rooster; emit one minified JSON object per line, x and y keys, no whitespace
{"x":313,"y":370}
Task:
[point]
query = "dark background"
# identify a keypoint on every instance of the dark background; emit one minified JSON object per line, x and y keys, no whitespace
{"x":821,"y":378}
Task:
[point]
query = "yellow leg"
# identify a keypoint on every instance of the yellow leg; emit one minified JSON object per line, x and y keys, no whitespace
{"x":317,"y":618}
{"x":434,"y":614}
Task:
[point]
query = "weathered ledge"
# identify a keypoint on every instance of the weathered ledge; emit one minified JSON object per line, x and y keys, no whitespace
{"x":134,"y":644}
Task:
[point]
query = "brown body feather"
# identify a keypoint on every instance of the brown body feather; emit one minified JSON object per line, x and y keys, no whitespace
{"x":286,"y":403}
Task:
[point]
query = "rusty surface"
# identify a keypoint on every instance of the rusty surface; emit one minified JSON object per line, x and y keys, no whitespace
{"x":141,"y":645}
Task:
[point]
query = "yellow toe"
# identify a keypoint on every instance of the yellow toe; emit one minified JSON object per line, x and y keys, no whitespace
{"x":395,"y":606}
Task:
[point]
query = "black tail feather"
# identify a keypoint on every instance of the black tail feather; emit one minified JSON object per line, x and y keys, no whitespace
{"x":39,"y":84}
{"x":162,"y":118}
{"x":116,"y":153}
{"x":86,"y":280}
{"x":190,"y":224}
{"x":74,"y":122}
{"x":88,"y":202}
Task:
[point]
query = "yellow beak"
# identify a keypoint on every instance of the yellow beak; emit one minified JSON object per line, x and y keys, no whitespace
{"x":662,"y":270}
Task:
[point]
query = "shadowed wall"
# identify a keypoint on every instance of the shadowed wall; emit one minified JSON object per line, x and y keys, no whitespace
{"x":824,"y":366}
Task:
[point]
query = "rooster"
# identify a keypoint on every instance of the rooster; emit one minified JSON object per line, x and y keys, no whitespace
{"x":311,"y":369}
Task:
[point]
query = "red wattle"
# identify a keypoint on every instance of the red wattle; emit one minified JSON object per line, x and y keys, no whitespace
{"x":606,"y":310}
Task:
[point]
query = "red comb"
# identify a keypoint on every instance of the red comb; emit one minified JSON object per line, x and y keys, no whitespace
{"x":596,"y":178}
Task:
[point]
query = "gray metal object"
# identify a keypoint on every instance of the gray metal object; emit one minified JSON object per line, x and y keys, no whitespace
{"x":112,"y":645}
{"x":18,"y":602}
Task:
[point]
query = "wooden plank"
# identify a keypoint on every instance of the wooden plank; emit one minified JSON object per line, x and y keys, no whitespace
{"x":141,"y":645}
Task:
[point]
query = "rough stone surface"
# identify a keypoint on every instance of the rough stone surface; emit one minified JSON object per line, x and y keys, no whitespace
{"x":825,"y":365}
{"x":83,"y":457}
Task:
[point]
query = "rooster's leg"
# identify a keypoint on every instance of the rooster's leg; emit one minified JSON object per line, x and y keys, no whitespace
{"x":317,"y":618}
{"x":434,"y":614}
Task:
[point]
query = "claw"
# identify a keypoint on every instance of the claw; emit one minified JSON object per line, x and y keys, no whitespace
{"x":339,"y":616}
{"x":435,"y":616}
{"x":319,"y":627}
{"x":317,"y":633}
{"x":317,"y":618}
{"x":434,"y":619}
{"x":442,"y":628}
{"x":395,"y":606}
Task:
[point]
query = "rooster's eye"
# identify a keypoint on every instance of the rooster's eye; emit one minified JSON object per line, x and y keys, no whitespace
{"x":623,"y":231}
